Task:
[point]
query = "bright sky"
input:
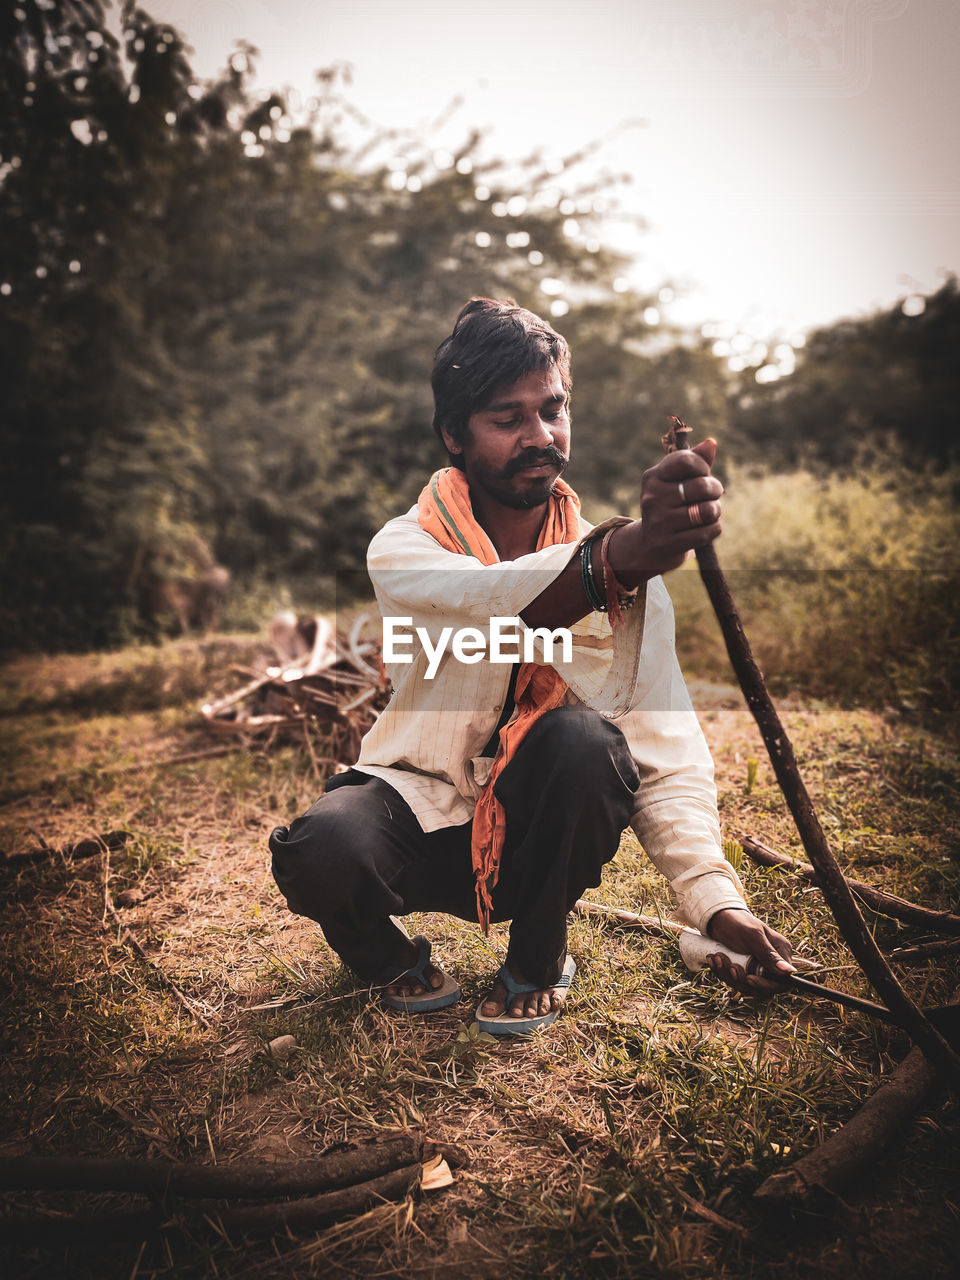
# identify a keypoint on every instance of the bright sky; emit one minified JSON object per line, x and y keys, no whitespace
{"x":797,"y":160}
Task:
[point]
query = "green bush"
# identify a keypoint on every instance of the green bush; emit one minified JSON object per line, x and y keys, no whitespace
{"x":848,"y":586}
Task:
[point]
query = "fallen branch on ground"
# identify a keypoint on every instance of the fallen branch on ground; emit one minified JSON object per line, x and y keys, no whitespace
{"x":925,"y":951}
{"x":628,"y":919}
{"x":289,"y":1216}
{"x":710,"y":1215}
{"x":848,"y":1154}
{"x":246,"y":1179}
{"x":879,"y":899}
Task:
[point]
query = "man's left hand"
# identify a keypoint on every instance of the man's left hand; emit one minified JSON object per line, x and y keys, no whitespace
{"x":741,"y":931}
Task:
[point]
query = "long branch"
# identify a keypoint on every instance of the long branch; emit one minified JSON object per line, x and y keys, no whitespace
{"x":244,"y":1179}
{"x":887,"y":904}
{"x":836,"y":891}
{"x":628,"y":919}
{"x":289,"y":1216}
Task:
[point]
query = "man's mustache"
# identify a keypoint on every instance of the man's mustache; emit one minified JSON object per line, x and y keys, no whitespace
{"x":550,"y":457}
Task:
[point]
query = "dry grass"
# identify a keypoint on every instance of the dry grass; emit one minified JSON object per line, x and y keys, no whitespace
{"x":591,"y":1148}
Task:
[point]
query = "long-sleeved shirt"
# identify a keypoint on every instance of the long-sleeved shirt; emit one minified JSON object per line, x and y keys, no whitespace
{"x":429,"y":741}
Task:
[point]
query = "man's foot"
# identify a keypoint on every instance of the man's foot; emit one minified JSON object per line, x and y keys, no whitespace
{"x":407,"y":984}
{"x":421,"y":986}
{"x":514,"y":1007}
{"x":526,"y":1005}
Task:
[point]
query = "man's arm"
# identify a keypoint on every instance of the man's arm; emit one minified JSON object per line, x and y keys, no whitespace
{"x":648,"y":547}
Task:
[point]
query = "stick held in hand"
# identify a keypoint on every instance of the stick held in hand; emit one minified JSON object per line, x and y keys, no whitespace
{"x":835,"y":889}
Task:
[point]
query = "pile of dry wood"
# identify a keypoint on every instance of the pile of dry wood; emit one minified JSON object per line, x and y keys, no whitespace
{"x":321,"y":678}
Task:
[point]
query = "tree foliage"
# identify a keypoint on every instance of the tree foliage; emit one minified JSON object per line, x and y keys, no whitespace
{"x":858,"y":385}
{"x":216,"y":320}
{"x":217,"y":323}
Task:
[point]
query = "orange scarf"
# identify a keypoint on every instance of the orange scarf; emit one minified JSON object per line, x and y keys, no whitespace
{"x":445,"y":511}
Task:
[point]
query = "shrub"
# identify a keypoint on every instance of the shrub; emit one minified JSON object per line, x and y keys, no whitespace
{"x":848,"y":585}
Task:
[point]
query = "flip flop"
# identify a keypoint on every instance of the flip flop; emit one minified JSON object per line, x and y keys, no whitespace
{"x":505,"y":1024}
{"x":439,"y":998}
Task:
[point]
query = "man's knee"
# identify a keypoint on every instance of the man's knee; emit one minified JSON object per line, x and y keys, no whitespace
{"x":578,"y":743}
{"x":324,"y":859}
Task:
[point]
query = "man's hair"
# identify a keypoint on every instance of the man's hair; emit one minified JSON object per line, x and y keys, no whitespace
{"x":494,"y":343}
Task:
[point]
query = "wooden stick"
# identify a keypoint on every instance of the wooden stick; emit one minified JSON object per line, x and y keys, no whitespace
{"x":219,"y":705}
{"x":356,"y":653}
{"x":849,"y":1153}
{"x":703,"y":1211}
{"x":246,"y":1179}
{"x":356,"y":702}
{"x":318,"y":1211}
{"x":187,"y":757}
{"x":628,"y":919}
{"x":317,"y":771}
{"x":879,"y":899}
{"x":291,"y":1216}
{"x":854,"y":1148}
{"x":925,"y":951}
{"x":836,"y":891}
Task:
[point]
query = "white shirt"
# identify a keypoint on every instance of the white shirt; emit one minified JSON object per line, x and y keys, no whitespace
{"x":427,"y":741}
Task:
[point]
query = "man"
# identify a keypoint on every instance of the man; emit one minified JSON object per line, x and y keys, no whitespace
{"x":501,"y":789}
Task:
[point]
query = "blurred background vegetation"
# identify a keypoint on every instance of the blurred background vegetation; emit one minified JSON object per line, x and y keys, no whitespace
{"x":217,"y":323}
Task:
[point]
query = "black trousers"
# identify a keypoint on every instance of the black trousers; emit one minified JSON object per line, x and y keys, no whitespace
{"x":359,"y":856}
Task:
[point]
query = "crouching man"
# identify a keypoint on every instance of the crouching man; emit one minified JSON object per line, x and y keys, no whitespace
{"x":498,"y":783}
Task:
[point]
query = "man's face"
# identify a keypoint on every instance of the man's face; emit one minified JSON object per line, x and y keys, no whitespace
{"x":516,"y":447}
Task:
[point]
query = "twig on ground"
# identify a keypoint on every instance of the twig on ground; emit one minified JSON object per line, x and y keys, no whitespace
{"x":710,"y":1215}
{"x":628,"y":919}
{"x":879,"y":899}
{"x":317,"y":771}
{"x":289,"y":1216}
{"x":925,"y":951}
{"x":217,"y":706}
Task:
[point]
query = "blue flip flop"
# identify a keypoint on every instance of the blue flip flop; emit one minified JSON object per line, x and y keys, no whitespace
{"x":505,"y":1025}
{"x":438,"y":998}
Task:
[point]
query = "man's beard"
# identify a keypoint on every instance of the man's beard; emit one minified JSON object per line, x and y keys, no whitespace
{"x":541,"y":487}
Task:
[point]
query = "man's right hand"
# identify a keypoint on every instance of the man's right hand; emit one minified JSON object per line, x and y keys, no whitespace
{"x":680,"y":506}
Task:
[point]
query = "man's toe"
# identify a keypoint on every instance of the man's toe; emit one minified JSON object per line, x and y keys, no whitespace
{"x":495,"y":1004}
{"x":435,"y":977}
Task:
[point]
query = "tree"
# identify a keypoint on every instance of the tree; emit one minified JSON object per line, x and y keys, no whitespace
{"x":892,"y":375}
{"x":217,"y":321}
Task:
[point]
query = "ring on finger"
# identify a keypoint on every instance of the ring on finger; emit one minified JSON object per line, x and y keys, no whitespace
{"x":683,"y":496}
{"x":695,"y":514}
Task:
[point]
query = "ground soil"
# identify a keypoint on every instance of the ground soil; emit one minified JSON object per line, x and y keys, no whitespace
{"x":626,"y":1141}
